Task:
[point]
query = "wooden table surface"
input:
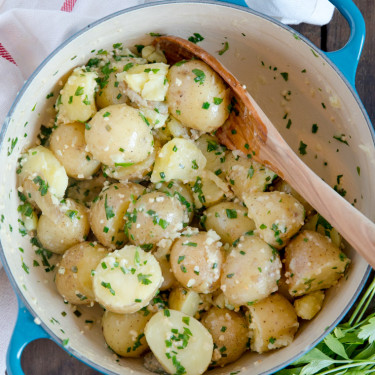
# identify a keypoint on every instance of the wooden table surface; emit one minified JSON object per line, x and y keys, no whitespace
{"x":43,"y":357}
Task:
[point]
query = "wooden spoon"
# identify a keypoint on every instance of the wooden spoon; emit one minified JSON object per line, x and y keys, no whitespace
{"x":248,"y":129}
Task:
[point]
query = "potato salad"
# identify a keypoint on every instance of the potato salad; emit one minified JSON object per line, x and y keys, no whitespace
{"x":195,"y":253}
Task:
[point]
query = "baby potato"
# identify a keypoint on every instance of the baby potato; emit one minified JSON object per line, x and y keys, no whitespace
{"x":278,"y":216}
{"x":118,"y":136}
{"x":77,"y":98}
{"x":178,"y":159}
{"x":278,"y":329}
{"x":313,"y":262}
{"x":124,"y":333}
{"x":73,"y":277}
{"x":214,"y":153}
{"x":229,"y":331}
{"x":246,"y":175}
{"x":126,"y":280}
{"x":153,"y":217}
{"x":251,"y":271}
{"x":186,"y":301}
{"x":318,"y":224}
{"x":309,"y":305}
{"x":69,"y":146}
{"x":41,"y":166}
{"x":68,"y":229}
{"x":283,"y":186}
{"x":107,"y":213}
{"x":179,"y":341}
{"x":229,"y":220}
{"x":196,"y":261}
{"x":197,"y":96}
{"x":181,"y":192}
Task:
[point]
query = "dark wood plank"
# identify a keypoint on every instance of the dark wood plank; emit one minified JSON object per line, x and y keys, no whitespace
{"x":338,"y":34}
{"x":44,"y":357}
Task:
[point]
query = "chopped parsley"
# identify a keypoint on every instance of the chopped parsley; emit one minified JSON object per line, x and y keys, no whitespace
{"x":231,"y":214}
{"x":224,"y":49}
{"x":200,"y":76}
{"x":195,"y":38}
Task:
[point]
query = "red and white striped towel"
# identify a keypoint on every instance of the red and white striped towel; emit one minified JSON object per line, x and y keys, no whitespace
{"x":31,"y":29}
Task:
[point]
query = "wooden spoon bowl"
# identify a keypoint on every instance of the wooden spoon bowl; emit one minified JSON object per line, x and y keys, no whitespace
{"x":249,"y":130}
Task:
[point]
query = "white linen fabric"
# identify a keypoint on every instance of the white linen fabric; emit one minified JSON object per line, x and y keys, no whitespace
{"x":31,"y":29}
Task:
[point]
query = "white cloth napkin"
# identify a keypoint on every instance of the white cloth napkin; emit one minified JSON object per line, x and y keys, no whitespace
{"x":31,"y":29}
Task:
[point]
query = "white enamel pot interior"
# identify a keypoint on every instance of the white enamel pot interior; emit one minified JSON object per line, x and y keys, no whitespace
{"x":259,"y":50}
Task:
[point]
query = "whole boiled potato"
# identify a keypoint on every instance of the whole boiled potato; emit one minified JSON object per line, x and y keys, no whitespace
{"x":153,"y":217}
{"x":246,"y":175}
{"x":197,"y":96}
{"x":124,"y":333}
{"x":196,"y":261}
{"x":69,"y":146}
{"x":250,"y":272}
{"x":118,"y":136}
{"x":229,"y":331}
{"x":108,"y":210}
{"x":177,"y":189}
{"x":229,"y":220}
{"x":278,"y":216}
{"x":74,"y":274}
{"x":275,"y":331}
{"x":313,"y":262}
{"x":70,"y":227}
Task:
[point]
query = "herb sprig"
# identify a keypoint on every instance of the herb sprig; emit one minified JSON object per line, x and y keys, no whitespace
{"x":348,"y":349}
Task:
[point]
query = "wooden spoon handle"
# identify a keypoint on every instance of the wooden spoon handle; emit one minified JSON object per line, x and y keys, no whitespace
{"x":355,"y":227}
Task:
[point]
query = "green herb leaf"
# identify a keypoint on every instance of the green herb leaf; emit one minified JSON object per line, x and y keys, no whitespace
{"x":195,"y":38}
{"x":200,"y":76}
{"x":224,"y":49}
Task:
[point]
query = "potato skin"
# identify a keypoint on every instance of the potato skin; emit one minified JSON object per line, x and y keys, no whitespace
{"x":69,"y":146}
{"x":246,"y":175}
{"x":273,"y":323}
{"x":313,"y":262}
{"x":117,"y":134}
{"x":153,"y":217}
{"x":229,"y":220}
{"x":124,"y":333}
{"x":196,"y":261}
{"x":251,"y":271}
{"x":73,"y":277}
{"x":278,"y":216}
{"x":181,"y":192}
{"x":107,"y":213}
{"x":186,"y":95}
{"x":70,"y":228}
{"x":229,"y":331}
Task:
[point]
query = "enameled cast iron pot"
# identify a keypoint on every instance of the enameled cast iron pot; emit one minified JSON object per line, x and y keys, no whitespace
{"x":319,"y":89}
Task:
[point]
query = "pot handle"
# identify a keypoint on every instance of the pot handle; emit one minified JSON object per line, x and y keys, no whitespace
{"x":347,"y":58}
{"x":25,"y":331}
